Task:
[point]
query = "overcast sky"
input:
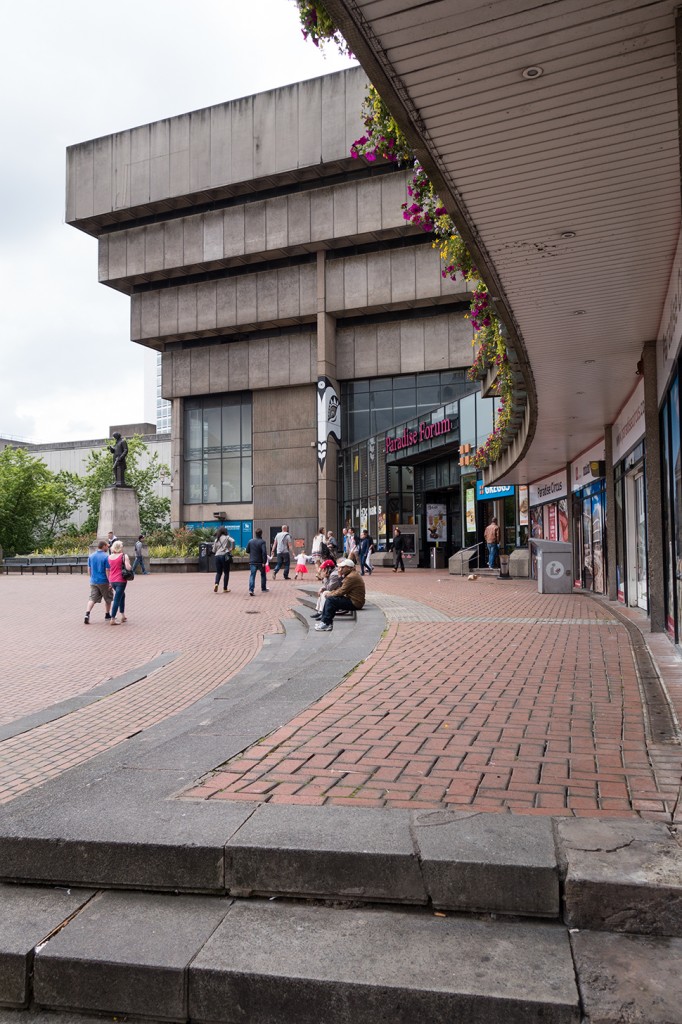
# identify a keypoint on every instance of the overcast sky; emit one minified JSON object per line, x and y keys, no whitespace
{"x":70,"y":71}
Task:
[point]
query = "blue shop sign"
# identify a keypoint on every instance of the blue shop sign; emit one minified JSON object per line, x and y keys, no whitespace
{"x":488,"y":493}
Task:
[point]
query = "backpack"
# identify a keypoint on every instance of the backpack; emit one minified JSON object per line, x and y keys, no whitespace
{"x":324,"y":551}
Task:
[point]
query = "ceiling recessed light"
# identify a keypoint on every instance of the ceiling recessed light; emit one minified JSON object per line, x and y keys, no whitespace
{"x":580,"y":392}
{"x":579,"y":312}
{"x":568,"y":234}
{"x":532,"y":72}
{"x":590,"y":360}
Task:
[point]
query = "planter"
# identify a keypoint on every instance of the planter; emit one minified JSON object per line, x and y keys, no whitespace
{"x":191,"y":564}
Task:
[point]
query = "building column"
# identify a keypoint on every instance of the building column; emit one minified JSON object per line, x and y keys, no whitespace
{"x":177,"y":450}
{"x":611,"y":575}
{"x":654,"y":490}
{"x":327,"y":404}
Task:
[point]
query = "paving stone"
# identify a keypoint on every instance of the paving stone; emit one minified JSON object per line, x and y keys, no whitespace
{"x":628,"y":978}
{"x":275,"y":962}
{"x":621,"y":876}
{"x":325,"y":851}
{"x":488,"y":862}
{"x":27,"y":917}
{"x":127,"y":953}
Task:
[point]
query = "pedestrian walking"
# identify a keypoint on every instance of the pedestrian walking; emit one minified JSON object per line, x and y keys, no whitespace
{"x":365,"y":549}
{"x":222,"y":549}
{"x":491,"y":535}
{"x":257,"y":551}
{"x":352,"y":546}
{"x":332,"y":544}
{"x":301,"y":567}
{"x":282,"y":546}
{"x":111,"y":538}
{"x":119,"y":564}
{"x":398,"y":548}
{"x":100,"y":588}
{"x":139,"y":560}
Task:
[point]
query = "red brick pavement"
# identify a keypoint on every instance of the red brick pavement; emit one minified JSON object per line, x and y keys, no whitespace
{"x":514,"y":701}
{"x":521,"y":703}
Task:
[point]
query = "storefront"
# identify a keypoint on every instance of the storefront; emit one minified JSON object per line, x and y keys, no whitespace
{"x":548,"y":509}
{"x":588,"y":486}
{"x":411,"y":475}
{"x":631,"y":562}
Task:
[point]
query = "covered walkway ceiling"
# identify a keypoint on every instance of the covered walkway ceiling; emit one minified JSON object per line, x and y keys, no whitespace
{"x":566,"y":185}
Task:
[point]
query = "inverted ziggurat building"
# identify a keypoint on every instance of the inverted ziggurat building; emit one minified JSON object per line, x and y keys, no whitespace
{"x":304,"y":327}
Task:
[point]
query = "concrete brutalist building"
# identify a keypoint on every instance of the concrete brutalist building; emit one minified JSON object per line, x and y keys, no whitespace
{"x":280,"y":281}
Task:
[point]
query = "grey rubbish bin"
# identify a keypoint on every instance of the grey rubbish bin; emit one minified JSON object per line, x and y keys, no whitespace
{"x":555,"y":566}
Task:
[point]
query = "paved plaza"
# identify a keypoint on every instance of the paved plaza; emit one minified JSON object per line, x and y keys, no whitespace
{"x":479,"y":694}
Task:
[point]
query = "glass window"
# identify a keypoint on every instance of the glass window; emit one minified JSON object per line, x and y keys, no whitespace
{"x":467,"y":421}
{"x":484,"y":417}
{"x":218,"y":465}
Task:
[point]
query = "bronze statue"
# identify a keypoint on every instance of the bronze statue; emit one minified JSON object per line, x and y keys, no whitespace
{"x":120,"y":453}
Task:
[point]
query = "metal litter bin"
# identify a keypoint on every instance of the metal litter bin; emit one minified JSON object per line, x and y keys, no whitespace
{"x":555,"y":566}
{"x":206,"y":558}
{"x":437,"y":557}
{"x":504,"y":567}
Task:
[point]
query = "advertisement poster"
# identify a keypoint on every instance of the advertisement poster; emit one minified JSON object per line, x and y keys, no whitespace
{"x":536,"y":523}
{"x":436,"y":523}
{"x":551,"y":522}
{"x":563,"y":520}
{"x":523,"y":505}
{"x":470,"y":511}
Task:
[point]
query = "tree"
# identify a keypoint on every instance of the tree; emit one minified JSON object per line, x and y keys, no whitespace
{"x":154,"y":510}
{"x":34,"y":503}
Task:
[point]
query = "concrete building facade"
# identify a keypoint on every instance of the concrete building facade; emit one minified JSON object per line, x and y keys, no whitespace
{"x":273,"y":273}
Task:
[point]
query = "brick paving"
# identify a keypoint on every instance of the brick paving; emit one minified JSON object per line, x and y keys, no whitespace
{"x":480,"y":695}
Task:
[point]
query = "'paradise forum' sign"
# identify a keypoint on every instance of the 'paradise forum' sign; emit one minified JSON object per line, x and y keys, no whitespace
{"x":423,"y":432}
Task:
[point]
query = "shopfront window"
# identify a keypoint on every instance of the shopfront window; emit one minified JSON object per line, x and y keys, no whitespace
{"x":217,"y":453}
{"x":372,"y":406}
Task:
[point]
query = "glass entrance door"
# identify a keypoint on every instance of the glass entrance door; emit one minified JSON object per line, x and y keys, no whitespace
{"x":640,"y":547}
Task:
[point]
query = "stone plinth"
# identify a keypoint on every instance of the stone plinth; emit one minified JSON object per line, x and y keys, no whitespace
{"x":119,"y":510}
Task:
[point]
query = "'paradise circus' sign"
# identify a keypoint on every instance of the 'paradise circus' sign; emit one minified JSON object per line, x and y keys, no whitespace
{"x":424,"y":432}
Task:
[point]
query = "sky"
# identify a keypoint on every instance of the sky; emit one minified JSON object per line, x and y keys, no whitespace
{"x":73,"y":71}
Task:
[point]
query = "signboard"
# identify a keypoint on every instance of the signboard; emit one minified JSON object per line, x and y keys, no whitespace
{"x":628,"y":429}
{"x":488,"y":493}
{"x":424,"y":431}
{"x":470,"y":510}
{"x":436,"y":523}
{"x":581,"y":474}
{"x":548,"y":489}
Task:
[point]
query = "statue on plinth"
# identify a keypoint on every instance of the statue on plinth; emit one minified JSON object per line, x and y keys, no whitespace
{"x":120,"y":452}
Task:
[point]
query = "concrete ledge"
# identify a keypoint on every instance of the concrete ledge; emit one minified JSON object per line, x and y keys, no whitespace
{"x":280,"y":963}
{"x":127,"y":953}
{"x":488,"y":862}
{"x":621,"y":876}
{"x":629,"y":978}
{"x":325,"y":851}
{"x":27,"y":917}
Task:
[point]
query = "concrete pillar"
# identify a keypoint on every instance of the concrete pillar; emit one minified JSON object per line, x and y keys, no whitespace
{"x":653,"y":491}
{"x":177,"y":448}
{"x":327,"y":483}
{"x":569,"y":503}
{"x":611,"y":577}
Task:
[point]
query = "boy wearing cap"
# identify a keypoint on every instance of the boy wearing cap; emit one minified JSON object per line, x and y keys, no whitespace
{"x":349,"y":597}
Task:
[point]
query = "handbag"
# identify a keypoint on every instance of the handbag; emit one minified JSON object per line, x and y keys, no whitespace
{"x":127,"y":574}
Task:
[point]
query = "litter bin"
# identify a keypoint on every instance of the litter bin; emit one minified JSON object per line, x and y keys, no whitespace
{"x":437,"y":557}
{"x":504,"y":567}
{"x":555,"y":566}
{"x":206,"y":558}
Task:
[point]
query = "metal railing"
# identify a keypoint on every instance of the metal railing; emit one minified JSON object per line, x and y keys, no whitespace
{"x":472,"y":551}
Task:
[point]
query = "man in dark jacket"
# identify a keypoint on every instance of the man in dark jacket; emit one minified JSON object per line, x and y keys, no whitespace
{"x":366,"y":544}
{"x":257,"y":551}
{"x":398,"y":548}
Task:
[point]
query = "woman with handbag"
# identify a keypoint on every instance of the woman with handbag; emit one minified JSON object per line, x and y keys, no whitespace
{"x":120,"y":574}
{"x":222,"y":549}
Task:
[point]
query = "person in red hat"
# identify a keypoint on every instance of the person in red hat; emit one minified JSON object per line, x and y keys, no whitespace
{"x":331,"y":581}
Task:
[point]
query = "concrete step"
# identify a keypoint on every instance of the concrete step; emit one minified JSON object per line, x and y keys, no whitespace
{"x":65,"y":956}
{"x":215,"y":959}
{"x":606,"y":875}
